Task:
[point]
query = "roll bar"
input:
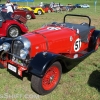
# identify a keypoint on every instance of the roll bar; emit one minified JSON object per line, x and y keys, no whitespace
{"x":77,"y":16}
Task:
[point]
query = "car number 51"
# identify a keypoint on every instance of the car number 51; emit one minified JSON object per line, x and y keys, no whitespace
{"x":77,"y":45}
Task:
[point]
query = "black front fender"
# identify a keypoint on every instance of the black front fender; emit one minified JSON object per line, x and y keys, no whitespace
{"x":41,"y":62}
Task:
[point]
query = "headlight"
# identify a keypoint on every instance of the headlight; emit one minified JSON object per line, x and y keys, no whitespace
{"x":23,"y":53}
{"x":6,"y":46}
{"x":1,"y":48}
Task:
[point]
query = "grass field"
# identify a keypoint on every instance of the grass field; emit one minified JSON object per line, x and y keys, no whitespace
{"x":81,"y":83}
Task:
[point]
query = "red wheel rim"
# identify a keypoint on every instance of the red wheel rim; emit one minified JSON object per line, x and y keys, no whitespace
{"x":50,"y":78}
{"x":97,"y":44}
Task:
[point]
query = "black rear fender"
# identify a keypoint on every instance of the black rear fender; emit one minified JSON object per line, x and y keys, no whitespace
{"x":93,"y":40}
{"x":95,"y":35}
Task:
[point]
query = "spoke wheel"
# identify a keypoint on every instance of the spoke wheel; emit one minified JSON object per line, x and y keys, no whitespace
{"x":39,"y":12}
{"x":50,"y":78}
{"x":13,"y":32}
{"x":49,"y":81}
{"x":28,"y":16}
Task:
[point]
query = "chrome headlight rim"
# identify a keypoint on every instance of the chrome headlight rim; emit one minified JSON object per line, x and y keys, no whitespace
{"x":23,"y":53}
{"x":6,"y":46}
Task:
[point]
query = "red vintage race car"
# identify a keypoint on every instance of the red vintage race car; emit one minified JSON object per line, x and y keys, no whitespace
{"x":21,"y":11}
{"x":45,"y":52}
{"x":25,"y":13}
{"x":47,"y":9}
{"x":12,"y":27}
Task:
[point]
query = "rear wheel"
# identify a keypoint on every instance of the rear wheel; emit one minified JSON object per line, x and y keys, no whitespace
{"x":49,"y":81}
{"x":97,"y":44}
{"x":13,"y":31}
{"x":28,"y":16}
{"x":39,"y":12}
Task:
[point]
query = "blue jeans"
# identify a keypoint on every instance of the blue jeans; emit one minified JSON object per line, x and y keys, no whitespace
{"x":9,"y":15}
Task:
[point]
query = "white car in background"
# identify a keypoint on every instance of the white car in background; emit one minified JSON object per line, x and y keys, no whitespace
{"x":85,"y":6}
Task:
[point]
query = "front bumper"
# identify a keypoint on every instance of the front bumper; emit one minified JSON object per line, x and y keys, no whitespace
{"x":13,"y":67}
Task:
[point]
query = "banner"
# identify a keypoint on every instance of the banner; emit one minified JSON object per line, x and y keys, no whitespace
{"x":21,"y":0}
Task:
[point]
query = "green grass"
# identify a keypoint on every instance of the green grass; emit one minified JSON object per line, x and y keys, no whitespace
{"x":81,"y":83}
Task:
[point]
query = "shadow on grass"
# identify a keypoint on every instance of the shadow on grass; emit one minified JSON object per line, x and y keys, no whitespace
{"x":94,"y":80}
{"x":69,"y":67}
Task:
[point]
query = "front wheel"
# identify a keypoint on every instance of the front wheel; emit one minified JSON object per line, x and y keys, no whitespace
{"x":28,"y":16}
{"x":49,"y":81}
{"x":13,"y":31}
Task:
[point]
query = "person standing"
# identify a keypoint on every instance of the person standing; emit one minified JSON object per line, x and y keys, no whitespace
{"x":9,"y":7}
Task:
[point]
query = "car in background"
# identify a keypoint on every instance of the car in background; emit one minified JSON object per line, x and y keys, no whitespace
{"x":47,"y":8}
{"x":85,"y":6}
{"x":12,"y":27}
{"x":36,"y":10}
{"x":78,"y":6}
{"x":25,"y":13}
{"x":70,"y":7}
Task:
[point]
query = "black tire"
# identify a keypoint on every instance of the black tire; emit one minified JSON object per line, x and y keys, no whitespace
{"x":28,"y":16}
{"x":96,"y":46}
{"x":39,"y":12}
{"x":13,"y":31}
{"x":46,"y":84}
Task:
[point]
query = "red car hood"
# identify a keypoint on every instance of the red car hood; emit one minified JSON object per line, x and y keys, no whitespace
{"x":50,"y":31}
{"x":49,"y":38}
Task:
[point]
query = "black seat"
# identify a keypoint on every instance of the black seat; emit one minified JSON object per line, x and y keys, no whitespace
{"x":84,"y":30}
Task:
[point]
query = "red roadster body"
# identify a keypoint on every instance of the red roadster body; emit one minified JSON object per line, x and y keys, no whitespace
{"x":12,"y":27}
{"x":47,"y":9}
{"x":25,"y":13}
{"x":45,"y":52}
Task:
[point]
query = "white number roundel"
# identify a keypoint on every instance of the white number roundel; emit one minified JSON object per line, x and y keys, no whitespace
{"x":53,"y":28}
{"x":77,"y":45}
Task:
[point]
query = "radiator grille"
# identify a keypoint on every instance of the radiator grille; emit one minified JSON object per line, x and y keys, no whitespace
{"x":17,"y":46}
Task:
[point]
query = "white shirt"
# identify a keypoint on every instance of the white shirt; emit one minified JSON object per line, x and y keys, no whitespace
{"x":9,"y":7}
